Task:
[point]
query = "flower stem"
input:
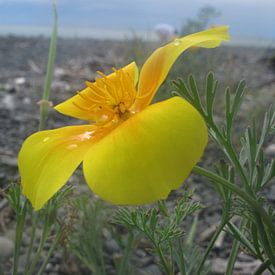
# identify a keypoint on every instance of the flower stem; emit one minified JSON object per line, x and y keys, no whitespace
{"x":53,"y":246}
{"x":163,"y":260}
{"x":264,"y":239}
{"x":18,"y":236}
{"x":42,"y":242}
{"x":265,"y":265}
{"x":234,"y":252}
{"x":44,"y":103}
{"x":214,"y":238}
{"x":251,"y":201}
{"x":30,"y":247}
{"x":123,"y":265}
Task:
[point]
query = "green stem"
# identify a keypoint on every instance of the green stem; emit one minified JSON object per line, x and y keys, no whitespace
{"x":21,"y":217}
{"x":43,"y":115}
{"x":234,"y":253}
{"x":264,"y":239}
{"x":181,"y":259}
{"x":41,"y":243}
{"x":123,"y":264}
{"x":227,"y":184}
{"x":265,"y":265}
{"x":30,"y":247}
{"x":230,"y":153}
{"x":213,"y":239}
{"x":164,"y":263}
{"x":84,"y":260}
{"x":44,"y":104}
{"x":53,"y":246}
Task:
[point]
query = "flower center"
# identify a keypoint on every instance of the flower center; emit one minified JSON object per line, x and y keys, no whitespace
{"x":110,"y":97}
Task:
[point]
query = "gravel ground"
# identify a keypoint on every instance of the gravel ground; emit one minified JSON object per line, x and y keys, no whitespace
{"x":23,"y":62}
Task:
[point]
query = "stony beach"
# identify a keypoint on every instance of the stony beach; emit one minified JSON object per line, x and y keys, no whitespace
{"x":22,"y":71}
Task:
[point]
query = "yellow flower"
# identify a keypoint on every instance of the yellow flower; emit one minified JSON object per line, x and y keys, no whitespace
{"x":132,"y":153}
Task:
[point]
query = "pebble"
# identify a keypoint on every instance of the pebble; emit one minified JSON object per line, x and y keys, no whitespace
{"x":143,"y":261}
{"x":244,"y":268}
{"x":23,"y":260}
{"x":9,"y":160}
{"x":49,"y":267}
{"x":8,"y":102}
{"x":270,"y":150}
{"x":59,"y":72}
{"x":140,"y":253}
{"x":20,"y":80}
{"x":152,"y":269}
{"x":6,"y":247}
{"x":10,"y":234}
{"x":112,"y":246}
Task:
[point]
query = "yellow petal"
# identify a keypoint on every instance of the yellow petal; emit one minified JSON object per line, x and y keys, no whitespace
{"x":48,"y":158}
{"x":157,"y":66}
{"x":77,"y":106}
{"x":147,"y":155}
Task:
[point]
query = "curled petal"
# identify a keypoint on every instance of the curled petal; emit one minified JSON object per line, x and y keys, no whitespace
{"x":48,"y":158}
{"x":157,"y":66}
{"x":80,"y":105}
{"x":148,"y":155}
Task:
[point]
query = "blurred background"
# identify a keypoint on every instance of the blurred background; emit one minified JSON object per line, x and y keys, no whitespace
{"x":248,"y":19}
{"x":97,"y":35}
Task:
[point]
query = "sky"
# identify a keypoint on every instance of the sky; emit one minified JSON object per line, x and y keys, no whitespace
{"x":246,"y":18}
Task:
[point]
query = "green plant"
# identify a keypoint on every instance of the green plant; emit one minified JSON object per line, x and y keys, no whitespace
{"x":163,"y":228}
{"x":87,"y":240}
{"x":21,"y":205}
{"x":244,"y":175}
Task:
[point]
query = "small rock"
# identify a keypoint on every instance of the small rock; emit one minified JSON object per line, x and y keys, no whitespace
{"x":105,"y":232}
{"x":110,"y":270}
{"x":242,"y":257}
{"x":56,"y":258}
{"x":23,"y":260}
{"x":60,"y":85}
{"x":140,"y":253}
{"x":143,"y":261}
{"x":6,"y":247}
{"x":26,"y":100}
{"x":20,"y":80}
{"x":271,"y":193}
{"x":8,"y":102}
{"x":208,"y":233}
{"x":59,"y":72}
{"x":112,"y":246}
{"x":56,"y":268}
{"x":153,"y":269}
{"x":10,"y":234}
{"x":9,"y":160}
{"x":245,"y":268}
{"x":270,"y":149}
{"x":218,"y":266}
{"x":49,"y":267}
{"x":34,"y":67}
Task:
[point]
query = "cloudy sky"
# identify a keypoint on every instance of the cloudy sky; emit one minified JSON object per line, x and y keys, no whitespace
{"x":247,"y":18}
